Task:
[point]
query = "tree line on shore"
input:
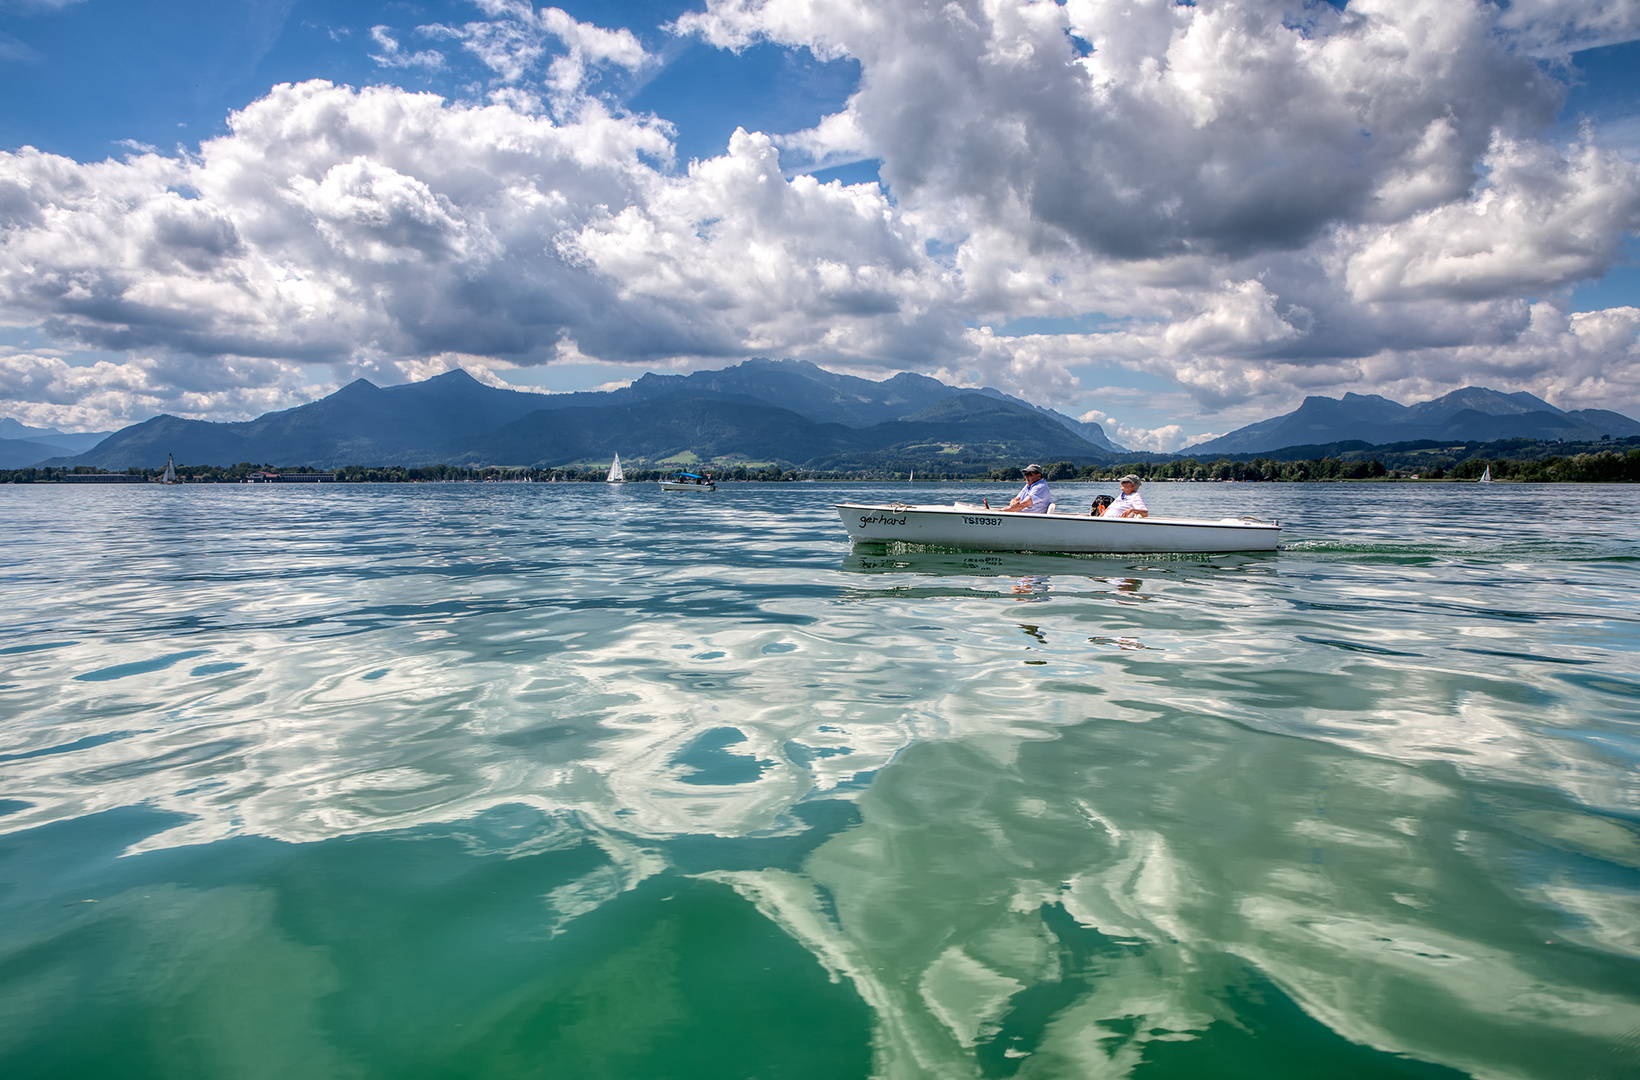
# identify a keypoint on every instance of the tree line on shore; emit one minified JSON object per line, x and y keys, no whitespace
{"x":1604,"y":466}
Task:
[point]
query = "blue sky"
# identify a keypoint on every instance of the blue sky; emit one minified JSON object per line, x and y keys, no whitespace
{"x":1170,"y":219}
{"x":82,"y":79}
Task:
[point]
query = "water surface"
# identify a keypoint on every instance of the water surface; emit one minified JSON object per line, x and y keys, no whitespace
{"x":564,"y":780}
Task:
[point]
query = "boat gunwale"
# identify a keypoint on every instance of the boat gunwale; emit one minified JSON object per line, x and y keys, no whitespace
{"x":1190,"y":523}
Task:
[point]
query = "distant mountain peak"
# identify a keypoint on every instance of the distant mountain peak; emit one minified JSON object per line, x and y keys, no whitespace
{"x":455,"y":375}
{"x":1470,"y":413}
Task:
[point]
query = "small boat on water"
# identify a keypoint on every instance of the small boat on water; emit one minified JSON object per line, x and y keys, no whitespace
{"x":1486,"y":477}
{"x":687,"y":481}
{"x":616,"y":476}
{"x":977,"y":528}
{"x":170,"y":476}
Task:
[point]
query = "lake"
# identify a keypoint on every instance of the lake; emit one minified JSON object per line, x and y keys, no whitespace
{"x":527,"y":780}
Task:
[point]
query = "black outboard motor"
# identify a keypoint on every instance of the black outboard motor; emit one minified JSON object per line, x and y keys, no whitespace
{"x":1099,"y":504}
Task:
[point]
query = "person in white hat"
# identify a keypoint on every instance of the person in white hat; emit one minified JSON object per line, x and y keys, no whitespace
{"x":1034,"y":497}
{"x":1129,"y":503}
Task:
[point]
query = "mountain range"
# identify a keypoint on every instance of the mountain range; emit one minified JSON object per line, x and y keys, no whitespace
{"x":785,"y":411}
{"x":788,"y":412}
{"x":21,"y":445}
{"x":1473,"y":414}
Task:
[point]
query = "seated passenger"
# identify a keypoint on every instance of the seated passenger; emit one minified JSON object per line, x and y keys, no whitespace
{"x":1129,"y":503}
{"x":1034,"y":497}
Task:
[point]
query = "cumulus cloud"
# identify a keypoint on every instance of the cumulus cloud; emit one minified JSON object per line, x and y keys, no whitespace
{"x":1223,"y":127}
{"x":1539,"y":221}
{"x":837,"y":140}
{"x":360,"y":227}
{"x":1586,"y":360}
{"x":1373,"y":181}
{"x":1251,"y":199}
{"x":1162,"y":440}
{"x":47,"y":391}
{"x":785,"y":257}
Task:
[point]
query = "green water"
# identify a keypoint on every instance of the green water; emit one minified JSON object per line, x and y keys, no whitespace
{"x":564,"y":781}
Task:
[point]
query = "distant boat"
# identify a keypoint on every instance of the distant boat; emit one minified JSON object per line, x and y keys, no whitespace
{"x":1486,"y":477}
{"x":616,"y":476}
{"x":170,"y":476}
{"x":687,"y":481}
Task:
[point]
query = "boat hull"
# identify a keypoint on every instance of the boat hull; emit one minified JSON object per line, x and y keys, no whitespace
{"x":673,"y":485}
{"x":979,"y":529}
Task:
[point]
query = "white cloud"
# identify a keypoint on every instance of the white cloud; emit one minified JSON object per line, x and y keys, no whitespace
{"x":1251,"y":199}
{"x":46,"y":391}
{"x":1538,"y":221}
{"x":1221,"y":127}
{"x":1621,"y":135}
{"x":362,"y":228}
{"x":753,"y":262}
{"x":837,"y":140}
{"x":1375,"y":180}
{"x":483,"y":368}
{"x":392,"y":55}
{"x":515,"y":39}
{"x":1163,"y":440}
{"x":1587,"y":360}
{"x":14,"y":51}
{"x":1560,"y":27}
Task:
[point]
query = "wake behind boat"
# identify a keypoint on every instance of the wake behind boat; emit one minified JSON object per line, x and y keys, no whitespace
{"x":976,"y":528}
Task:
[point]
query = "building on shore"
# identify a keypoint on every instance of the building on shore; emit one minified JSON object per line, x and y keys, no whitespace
{"x":264,"y":476}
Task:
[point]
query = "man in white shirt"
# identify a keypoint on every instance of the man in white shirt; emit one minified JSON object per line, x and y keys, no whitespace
{"x":1034,"y":497}
{"x":1129,"y":503}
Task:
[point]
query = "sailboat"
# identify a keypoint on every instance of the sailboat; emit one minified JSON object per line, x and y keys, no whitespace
{"x":616,"y":476}
{"x":1486,"y":477}
{"x":170,"y":476}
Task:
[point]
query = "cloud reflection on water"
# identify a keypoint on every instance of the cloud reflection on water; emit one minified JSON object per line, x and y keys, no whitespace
{"x":1353,"y":776}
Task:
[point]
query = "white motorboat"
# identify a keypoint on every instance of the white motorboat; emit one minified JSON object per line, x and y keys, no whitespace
{"x":976,"y":528}
{"x":687,"y":481}
{"x":616,"y":476}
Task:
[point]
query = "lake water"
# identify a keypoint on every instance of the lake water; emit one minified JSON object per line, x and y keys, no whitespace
{"x":564,"y":781}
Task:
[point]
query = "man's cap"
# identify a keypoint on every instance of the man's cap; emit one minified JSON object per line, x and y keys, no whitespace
{"x":1129,"y":479}
{"x":1032,"y":468}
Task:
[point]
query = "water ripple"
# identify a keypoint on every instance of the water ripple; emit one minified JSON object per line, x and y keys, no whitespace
{"x":1048,"y":813}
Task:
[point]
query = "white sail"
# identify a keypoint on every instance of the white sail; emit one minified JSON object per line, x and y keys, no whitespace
{"x":616,"y":476}
{"x":1486,"y":477}
{"x":170,"y":476}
